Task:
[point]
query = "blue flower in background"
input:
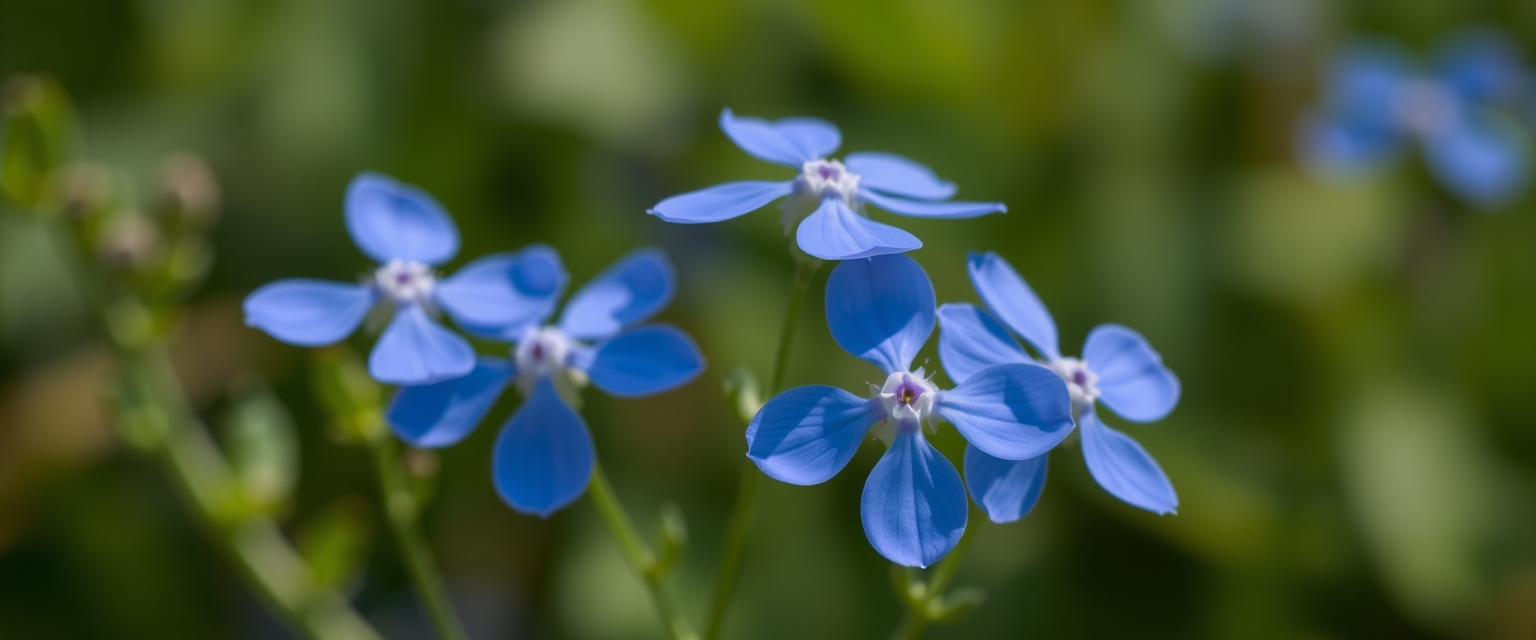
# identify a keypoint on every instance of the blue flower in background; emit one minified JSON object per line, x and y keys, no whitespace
{"x":408,"y":233}
{"x":544,"y":456}
{"x":913,"y":508}
{"x":827,"y":199}
{"x":1460,"y":109}
{"x":1118,"y":368}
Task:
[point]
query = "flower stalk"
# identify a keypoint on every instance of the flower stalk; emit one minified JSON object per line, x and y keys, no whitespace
{"x":403,"y":509}
{"x":651,"y":569}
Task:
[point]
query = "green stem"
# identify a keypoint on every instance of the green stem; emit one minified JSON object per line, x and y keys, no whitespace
{"x":637,"y":555}
{"x":206,"y":483}
{"x":403,"y":511}
{"x":746,"y":493}
{"x":921,"y":610}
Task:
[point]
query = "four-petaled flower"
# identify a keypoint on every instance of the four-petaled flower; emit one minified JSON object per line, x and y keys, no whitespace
{"x":914,"y":505}
{"x":1118,"y":368}
{"x":1374,"y":101}
{"x":408,"y":233}
{"x":828,"y":198}
{"x":543,"y":458}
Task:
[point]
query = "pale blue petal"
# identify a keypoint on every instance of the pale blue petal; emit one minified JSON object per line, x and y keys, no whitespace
{"x":791,"y":141}
{"x":1482,"y":160}
{"x":896,"y":175}
{"x":508,"y":291}
{"x":414,"y":350}
{"x":633,"y":289}
{"x":393,"y":221}
{"x":1125,"y":469}
{"x":970,"y":340}
{"x":1005,"y":489}
{"x":1014,"y":302}
{"x":881,"y":309}
{"x":807,"y":434}
{"x":308,"y":313}
{"x":913,"y":506}
{"x":442,"y":414}
{"x":1364,"y":82}
{"x":923,"y":209}
{"x":1482,"y":65}
{"x":1336,"y":149}
{"x":645,"y":361}
{"x":835,"y":232}
{"x":1011,"y":411}
{"x":721,"y":202}
{"x":1132,"y":379}
{"x":543,"y":457}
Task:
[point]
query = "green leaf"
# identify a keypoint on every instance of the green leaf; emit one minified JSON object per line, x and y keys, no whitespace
{"x":39,"y":133}
{"x":957,"y":605}
{"x":335,"y":542}
{"x":354,"y":401}
{"x":263,"y":447}
{"x":743,"y":394}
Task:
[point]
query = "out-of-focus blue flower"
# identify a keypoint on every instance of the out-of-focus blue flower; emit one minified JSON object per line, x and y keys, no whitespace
{"x":914,"y":511}
{"x":1118,"y":368}
{"x":543,"y":457}
{"x":407,"y":232}
{"x":1376,"y":100}
{"x":828,"y":199}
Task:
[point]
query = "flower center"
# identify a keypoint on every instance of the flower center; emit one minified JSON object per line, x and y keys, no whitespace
{"x":1081,"y":381}
{"x":542,"y":351}
{"x":405,"y":282}
{"x":908,"y":397}
{"x":823,"y":179}
{"x":1424,"y":106}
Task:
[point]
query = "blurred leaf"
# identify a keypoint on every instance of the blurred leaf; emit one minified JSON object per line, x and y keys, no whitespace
{"x":263,"y":447}
{"x":742,"y":394}
{"x":674,"y":539}
{"x":39,"y":132}
{"x":957,"y":604}
{"x":336,"y":541}
{"x":349,"y":395}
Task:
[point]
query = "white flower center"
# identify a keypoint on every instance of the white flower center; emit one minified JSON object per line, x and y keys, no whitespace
{"x":542,"y":351}
{"x":405,"y":282}
{"x":1424,"y":106}
{"x":1082,"y":382}
{"x":908,"y":397}
{"x":823,"y":179}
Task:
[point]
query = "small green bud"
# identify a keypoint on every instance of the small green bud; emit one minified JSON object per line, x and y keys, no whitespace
{"x":354,"y":400}
{"x":742,"y":394}
{"x":957,"y":605}
{"x":39,"y":133}
{"x":674,"y":539}
{"x":189,"y":197}
{"x":263,"y":447}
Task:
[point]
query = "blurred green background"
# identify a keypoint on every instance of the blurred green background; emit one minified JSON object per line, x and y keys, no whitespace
{"x":1355,"y":451}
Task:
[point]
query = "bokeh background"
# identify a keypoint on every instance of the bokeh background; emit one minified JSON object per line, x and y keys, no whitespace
{"x":1355,"y":451}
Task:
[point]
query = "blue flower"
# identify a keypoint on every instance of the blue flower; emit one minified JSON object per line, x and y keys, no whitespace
{"x":1375,"y":101}
{"x":543,"y":457}
{"x":408,"y":233}
{"x":1118,"y":368}
{"x":827,"y":199}
{"x":914,"y":511}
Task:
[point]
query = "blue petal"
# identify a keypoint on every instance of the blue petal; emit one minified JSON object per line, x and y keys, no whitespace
{"x":633,"y":289}
{"x":1482,"y":65}
{"x":720,"y":202}
{"x":835,"y":232}
{"x":645,"y":361}
{"x":1132,"y":379}
{"x":543,"y":458}
{"x":922,"y":209}
{"x":1009,"y":296}
{"x":1341,"y":150}
{"x":1005,"y":489}
{"x":791,"y":141}
{"x":308,"y":313}
{"x":393,"y":221}
{"x":1480,"y":159}
{"x":1364,"y":82}
{"x":913,"y":507}
{"x":441,"y":414}
{"x":1124,"y":469}
{"x":970,"y":340}
{"x":1011,"y":411}
{"x":807,"y":434}
{"x":895,"y":175}
{"x":508,"y":291}
{"x":414,"y":350}
{"x":881,"y":309}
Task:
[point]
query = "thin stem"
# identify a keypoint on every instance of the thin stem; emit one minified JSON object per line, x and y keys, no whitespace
{"x":746,"y":493}
{"x":637,"y":555}
{"x":920,"y":611}
{"x":206,"y":483}
{"x":403,"y":511}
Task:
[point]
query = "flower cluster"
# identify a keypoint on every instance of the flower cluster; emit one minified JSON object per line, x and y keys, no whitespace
{"x":1463,"y":108}
{"x":544,"y":456}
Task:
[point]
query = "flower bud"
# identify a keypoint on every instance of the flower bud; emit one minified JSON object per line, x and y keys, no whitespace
{"x":189,"y":194}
